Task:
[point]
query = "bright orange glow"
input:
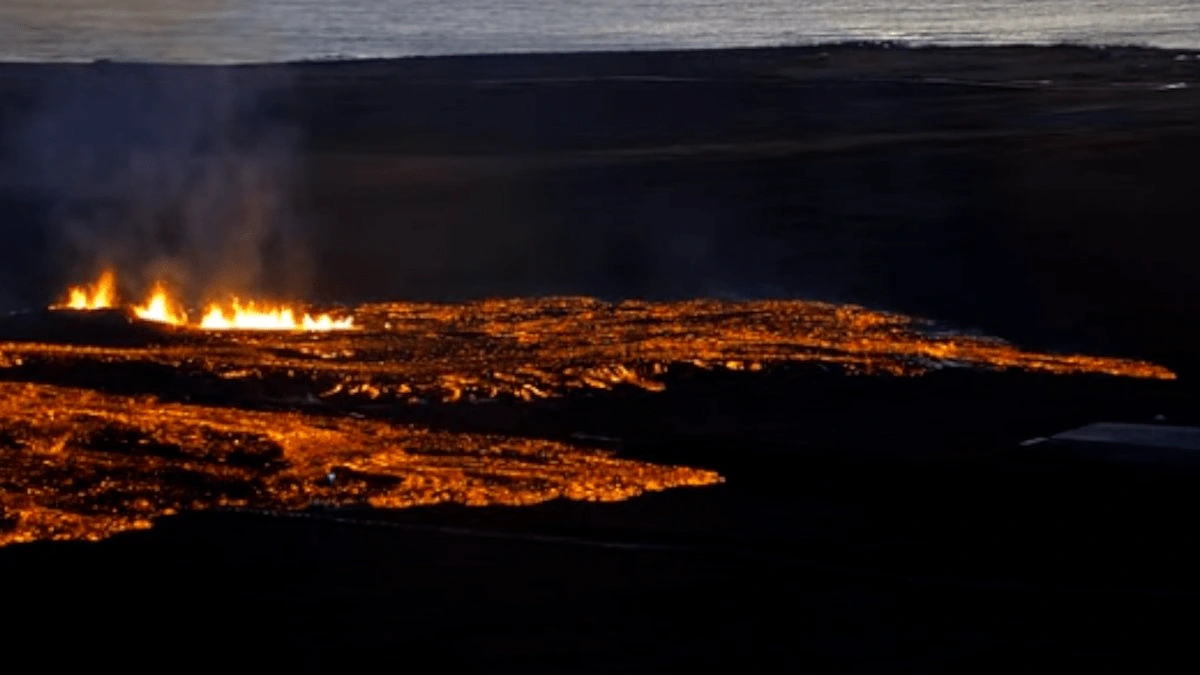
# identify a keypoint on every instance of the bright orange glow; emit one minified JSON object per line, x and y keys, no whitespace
{"x":252,"y":317}
{"x":161,"y":308}
{"x":100,"y":295}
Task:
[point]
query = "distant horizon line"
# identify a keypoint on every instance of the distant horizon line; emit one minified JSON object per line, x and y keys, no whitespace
{"x":6,"y":60}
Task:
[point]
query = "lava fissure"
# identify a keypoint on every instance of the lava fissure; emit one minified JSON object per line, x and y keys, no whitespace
{"x":161,"y":307}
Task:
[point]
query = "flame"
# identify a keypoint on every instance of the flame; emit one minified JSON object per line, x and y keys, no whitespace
{"x":100,"y":295}
{"x":161,"y":308}
{"x":252,"y":317}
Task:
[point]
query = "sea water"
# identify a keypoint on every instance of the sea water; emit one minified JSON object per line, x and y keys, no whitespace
{"x":224,"y":31}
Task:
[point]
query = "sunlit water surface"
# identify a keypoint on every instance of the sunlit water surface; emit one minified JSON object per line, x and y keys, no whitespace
{"x":269,"y":30}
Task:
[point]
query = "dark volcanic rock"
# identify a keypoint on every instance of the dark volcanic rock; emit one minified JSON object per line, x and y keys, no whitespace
{"x":88,"y":327}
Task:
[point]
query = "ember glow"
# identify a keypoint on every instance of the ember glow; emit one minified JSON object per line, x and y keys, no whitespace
{"x":100,"y":295}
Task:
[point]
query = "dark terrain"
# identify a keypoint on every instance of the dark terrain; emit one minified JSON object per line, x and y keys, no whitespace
{"x":868,"y":524}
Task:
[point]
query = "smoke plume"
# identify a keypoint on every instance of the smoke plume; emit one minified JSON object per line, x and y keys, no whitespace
{"x":164,"y":173}
{"x":167,"y":173}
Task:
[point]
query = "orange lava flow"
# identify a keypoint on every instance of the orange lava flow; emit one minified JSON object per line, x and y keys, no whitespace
{"x":84,"y":465}
{"x":294,"y":419}
{"x":528,"y":349}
